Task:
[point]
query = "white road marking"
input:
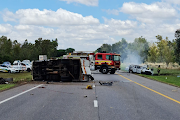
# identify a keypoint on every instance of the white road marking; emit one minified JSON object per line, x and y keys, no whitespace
{"x":95,"y":103}
{"x":93,"y":85}
{"x":19,"y":94}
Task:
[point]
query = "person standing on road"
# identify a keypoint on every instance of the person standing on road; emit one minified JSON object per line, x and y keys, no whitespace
{"x":159,"y":69}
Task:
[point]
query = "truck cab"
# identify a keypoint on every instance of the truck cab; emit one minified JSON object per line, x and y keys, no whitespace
{"x":107,"y":62}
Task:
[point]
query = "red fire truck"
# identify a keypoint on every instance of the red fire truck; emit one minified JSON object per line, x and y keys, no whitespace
{"x":105,"y":62}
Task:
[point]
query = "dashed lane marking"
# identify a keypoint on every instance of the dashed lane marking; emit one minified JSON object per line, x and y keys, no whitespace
{"x":95,"y":103}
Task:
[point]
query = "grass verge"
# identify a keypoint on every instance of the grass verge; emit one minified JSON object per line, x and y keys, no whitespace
{"x":6,"y":86}
{"x":17,"y":79}
{"x":168,"y":79}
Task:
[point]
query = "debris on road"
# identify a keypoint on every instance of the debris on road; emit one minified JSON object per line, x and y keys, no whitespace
{"x":89,"y":87}
{"x":5,"y":80}
{"x":2,"y":81}
{"x":41,"y":87}
{"x":106,"y":83}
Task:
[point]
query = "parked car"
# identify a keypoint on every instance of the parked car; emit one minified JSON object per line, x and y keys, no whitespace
{"x":130,"y":68}
{"x":144,"y":70}
{"x":16,"y":61}
{"x":28,"y":65}
{"x":7,"y":63}
{"x":19,"y":66}
{"x":139,"y":69}
{"x":134,"y":68}
{"x":27,"y":62}
{"x":5,"y":68}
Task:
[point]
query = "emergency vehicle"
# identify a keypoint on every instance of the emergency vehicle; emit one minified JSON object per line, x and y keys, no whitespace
{"x":105,"y":62}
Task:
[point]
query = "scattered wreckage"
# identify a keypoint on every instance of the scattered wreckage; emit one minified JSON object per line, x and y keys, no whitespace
{"x":5,"y":80}
{"x":140,"y":69}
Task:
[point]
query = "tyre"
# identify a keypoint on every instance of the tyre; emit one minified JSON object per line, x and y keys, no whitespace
{"x":104,"y":70}
{"x":112,"y":72}
{"x":28,"y":69}
{"x":9,"y":71}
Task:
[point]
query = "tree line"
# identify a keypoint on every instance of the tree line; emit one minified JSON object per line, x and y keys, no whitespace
{"x":163,"y":50}
{"x":13,"y":50}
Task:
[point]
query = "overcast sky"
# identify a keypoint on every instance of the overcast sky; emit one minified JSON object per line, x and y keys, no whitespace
{"x":86,"y":24}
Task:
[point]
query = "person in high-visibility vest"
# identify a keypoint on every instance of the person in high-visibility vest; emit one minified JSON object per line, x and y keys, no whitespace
{"x":147,"y":67}
{"x":158,"y":69}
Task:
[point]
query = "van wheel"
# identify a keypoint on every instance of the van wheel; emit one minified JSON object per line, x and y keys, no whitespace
{"x":112,"y":72}
{"x":28,"y":69}
{"x":104,"y":70}
{"x":9,"y":71}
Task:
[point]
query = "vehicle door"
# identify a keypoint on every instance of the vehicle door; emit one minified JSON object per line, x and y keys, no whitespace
{"x":134,"y":68}
{"x":23,"y":67}
{"x":139,"y":68}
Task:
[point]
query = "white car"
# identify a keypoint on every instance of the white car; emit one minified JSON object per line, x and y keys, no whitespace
{"x":19,"y":66}
{"x":134,"y":68}
{"x":139,"y":69}
{"x":4,"y":68}
{"x":144,"y":70}
{"x":27,"y":62}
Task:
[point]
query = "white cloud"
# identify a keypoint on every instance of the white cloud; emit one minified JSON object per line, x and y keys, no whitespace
{"x":8,"y":15}
{"x":85,"y":2}
{"x":173,"y":1}
{"x":149,"y":13}
{"x":48,"y":17}
{"x":5,"y":29}
{"x":114,"y":11}
{"x":121,"y":24}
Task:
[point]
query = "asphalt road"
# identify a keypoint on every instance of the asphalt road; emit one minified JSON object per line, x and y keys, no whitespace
{"x":129,"y":98}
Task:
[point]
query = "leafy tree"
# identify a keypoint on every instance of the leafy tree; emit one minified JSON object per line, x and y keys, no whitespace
{"x":5,"y":49}
{"x":70,"y":50}
{"x":46,"y":47}
{"x":116,"y":47}
{"x":177,"y":46}
{"x":106,"y":47}
{"x":61,"y":52}
{"x":120,"y":48}
{"x":160,"y":46}
{"x":159,"y":37}
{"x":16,"y":49}
{"x":140,"y":46}
{"x":98,"y":50}
{"x":153,"y":53}
{"x":165,"y":51}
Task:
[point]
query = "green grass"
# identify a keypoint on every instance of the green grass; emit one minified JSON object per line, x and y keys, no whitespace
{"x":17,"y":78}
{"x":6,"y":86}
{"x":169,"y":79}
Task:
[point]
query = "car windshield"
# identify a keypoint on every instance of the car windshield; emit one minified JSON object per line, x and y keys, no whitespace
{"x":116,"y":57}
{"x":3,"y":66}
